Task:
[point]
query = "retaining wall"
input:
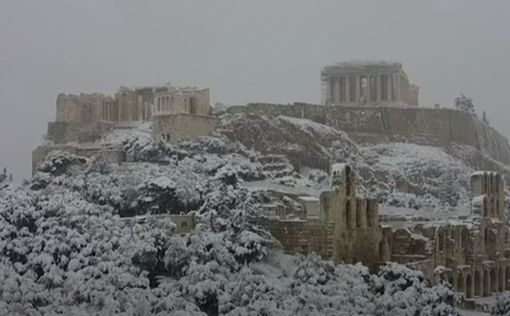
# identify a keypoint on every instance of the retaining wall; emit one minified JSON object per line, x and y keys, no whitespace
{"x":423,"y":126}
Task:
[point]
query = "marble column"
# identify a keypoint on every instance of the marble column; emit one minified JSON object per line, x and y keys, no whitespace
{"x":337,"y":90}
{"x":347,"y":89}
{"x":388,"y":87}
{"x":397,"y":88}
{"x":378,"y":87}
{"x":368,"y":88}
{"x":358,"y":89}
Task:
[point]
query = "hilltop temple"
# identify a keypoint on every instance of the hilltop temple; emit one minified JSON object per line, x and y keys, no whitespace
{"x":367,"y":83}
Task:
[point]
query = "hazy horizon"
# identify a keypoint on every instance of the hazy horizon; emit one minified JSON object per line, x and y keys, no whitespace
{"x":243,"y":51}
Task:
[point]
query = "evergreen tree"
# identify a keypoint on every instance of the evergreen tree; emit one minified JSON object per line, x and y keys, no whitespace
{"x":465,"y":103}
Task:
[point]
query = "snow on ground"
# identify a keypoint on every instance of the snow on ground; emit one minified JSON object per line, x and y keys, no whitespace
{"x":311,"y":127}
{"x":414,"y":176}
{"x":122,"y":132}
{"x":473,"y":313}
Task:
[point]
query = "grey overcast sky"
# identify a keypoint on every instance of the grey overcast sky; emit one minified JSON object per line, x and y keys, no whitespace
{"x":245,"y":51}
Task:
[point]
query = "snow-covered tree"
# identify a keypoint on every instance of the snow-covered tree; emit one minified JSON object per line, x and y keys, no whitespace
{"x":465,"y":103}
{"x":68,"y":244}
{"x":403,"y":291}
{"x":502,"y":307}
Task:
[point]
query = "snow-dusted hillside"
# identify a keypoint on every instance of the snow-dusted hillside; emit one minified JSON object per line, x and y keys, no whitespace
{"x":403,"y":175}
{"x":65,"y":249}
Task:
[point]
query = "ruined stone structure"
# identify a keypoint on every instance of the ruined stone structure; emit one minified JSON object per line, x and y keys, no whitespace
{"x":182,"y":100}
{"x":82,"y":120}
{"x":341,"y":225}
{"x":368,"y":83}
{"x":86,"y":117}
{"x":472,"y":250}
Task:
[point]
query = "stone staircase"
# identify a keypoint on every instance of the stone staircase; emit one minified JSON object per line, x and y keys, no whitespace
{"x":276,"y":166}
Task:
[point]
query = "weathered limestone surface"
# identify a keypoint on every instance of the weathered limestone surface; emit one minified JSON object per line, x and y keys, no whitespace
{"x":472,"y":252}
{"x":64,"y":132}
{"x":172,"y":127}
{"x":423,"y":126}
{"x":346,"y":230}
{"x":363,"y":83}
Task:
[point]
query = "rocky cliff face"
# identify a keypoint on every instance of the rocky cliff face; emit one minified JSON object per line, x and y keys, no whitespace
{"x":376,"y":125}
{"x":397,"y":173}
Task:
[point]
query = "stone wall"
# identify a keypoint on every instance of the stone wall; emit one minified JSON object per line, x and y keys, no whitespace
{"x":80,"y":108}
{"x":173,"y":127}
{"x":346,"y":230}
{"x":65,"y":132}
{"x":423,"y":126}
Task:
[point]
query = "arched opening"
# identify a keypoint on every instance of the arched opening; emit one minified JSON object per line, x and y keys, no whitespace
{"x":507,"y":276}
{"x":478,"y":283}
{"x":382,"y":251}
{"x":451,"y":281}
{"x":469,"y":286}
{"x":486,"y":290}
{"x":440,"y":240}
{"x":460,"y":283}
{"x":494,"y":281}
{"x":501,"y":280}
{"x":465,"y":237}
{"x":486,"y":237}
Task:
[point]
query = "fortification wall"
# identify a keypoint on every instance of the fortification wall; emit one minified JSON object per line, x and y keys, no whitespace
{"x":174,"y":127}
{"x":423,"y":126}
{"x":65,"y":132}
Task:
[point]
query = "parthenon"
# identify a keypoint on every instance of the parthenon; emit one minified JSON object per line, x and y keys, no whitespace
{"x":367,"y":83}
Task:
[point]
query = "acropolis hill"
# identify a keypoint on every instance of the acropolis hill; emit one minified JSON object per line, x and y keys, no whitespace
{"x":368,"y":176}
{"x":371,"y":102}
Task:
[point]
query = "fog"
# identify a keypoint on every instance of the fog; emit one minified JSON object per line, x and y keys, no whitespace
{"x":263,"y":50}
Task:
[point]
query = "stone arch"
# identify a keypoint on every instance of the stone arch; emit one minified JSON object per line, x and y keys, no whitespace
{"x":465,"y":237}
{"x":490,"y":240}
{"x":469,"y":286}
{"x":441,"y":240}
{"x":478,"y":283}
{"x":383,"y":251}
{"x":507,"y":276}
{"x":486,"y":289}
{"x":494,"y":281}
{"x":501,"y":280}
{"x":460,"y":283}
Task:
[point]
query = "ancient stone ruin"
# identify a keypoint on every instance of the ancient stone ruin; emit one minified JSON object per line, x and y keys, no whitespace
{"x":367,"y":83}
{"x":82,"y":120}
{"x":472,"y":250}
